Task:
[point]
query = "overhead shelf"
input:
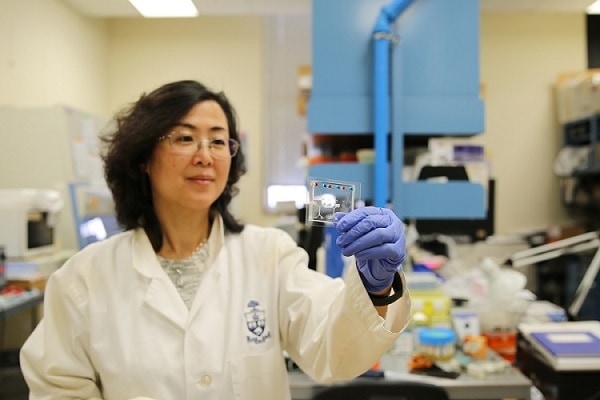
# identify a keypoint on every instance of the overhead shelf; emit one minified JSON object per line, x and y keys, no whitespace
{"x":434,"y":91}
{"x":421,"y":115}
{"x":420,"y":199}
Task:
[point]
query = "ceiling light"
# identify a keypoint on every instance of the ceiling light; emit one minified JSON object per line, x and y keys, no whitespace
{"x":165,"y":8}
{"x":594,"y":8}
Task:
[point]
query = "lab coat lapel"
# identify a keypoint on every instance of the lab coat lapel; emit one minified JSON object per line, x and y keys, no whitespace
{"x":216,"y":262}
{"x":160,"y":294}
{"x":206,"y":289}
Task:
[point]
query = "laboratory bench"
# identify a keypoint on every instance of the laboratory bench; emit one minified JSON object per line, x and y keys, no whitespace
{"x":557,"y":384}
{"x":12,"y":384}
{"x":14,"y":304}
{"x":507,"y":384}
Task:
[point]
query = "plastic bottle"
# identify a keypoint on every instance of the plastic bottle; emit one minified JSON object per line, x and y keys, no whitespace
{"x":503,"y":284}
{"x":500,"y":318}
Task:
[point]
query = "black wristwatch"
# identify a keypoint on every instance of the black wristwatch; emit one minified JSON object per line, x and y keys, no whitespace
{"x":384,"y":300}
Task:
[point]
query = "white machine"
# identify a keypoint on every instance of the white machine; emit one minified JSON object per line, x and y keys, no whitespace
{"x":48,"y":148}
{"x":28,"y":218}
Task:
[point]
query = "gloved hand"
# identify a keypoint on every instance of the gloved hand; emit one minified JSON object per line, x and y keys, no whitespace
{"x":375,"y":236}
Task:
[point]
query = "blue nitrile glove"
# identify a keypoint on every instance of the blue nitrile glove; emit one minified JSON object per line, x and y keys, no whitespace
{"x":375,"y":236}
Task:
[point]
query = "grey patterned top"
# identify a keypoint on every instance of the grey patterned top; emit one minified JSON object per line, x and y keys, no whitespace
{"x":187,"y":274}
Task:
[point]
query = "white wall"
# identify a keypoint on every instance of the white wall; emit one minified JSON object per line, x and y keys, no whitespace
{"x":50,"y":55}
{"x":521,"y":56}
{"x":226,"y":53}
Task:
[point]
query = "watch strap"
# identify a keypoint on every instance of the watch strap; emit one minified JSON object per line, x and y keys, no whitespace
{"x":384,"y":300}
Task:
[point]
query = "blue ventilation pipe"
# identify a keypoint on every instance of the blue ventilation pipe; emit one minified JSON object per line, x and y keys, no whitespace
{"x":382,"y":35}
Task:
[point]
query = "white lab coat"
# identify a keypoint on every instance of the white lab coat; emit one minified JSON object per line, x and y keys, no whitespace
{"x":115,"y":327}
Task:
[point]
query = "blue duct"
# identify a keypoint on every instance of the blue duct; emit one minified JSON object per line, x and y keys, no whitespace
{"x":382,"y":35}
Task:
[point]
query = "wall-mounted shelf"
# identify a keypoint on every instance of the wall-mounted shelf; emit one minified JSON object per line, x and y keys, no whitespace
{"x":419,"y":199}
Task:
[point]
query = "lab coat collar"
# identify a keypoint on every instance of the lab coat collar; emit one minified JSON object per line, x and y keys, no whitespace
{"x":161,"y":294}
{"x":144,"y":257}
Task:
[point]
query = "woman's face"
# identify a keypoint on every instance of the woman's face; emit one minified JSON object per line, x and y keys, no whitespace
{"x":190,"y":182}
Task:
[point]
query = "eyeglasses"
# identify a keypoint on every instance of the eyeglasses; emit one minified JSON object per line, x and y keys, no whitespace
{"x":185,"y":143}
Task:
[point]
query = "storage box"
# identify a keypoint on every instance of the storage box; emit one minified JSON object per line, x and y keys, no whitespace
{"x":578,"y":95}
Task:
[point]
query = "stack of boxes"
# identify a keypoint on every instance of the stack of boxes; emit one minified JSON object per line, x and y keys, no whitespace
{"x":578,"y":95}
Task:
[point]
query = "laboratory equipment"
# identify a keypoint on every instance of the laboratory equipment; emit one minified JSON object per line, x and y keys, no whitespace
{"x":29,"y":219}
{"x":573,"y":245}
{"x":326,"y":197}
{"x":438,"y":344}
{"x":93,"y":213}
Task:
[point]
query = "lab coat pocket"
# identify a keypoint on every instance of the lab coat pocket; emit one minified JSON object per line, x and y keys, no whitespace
{"x":260,"y":376}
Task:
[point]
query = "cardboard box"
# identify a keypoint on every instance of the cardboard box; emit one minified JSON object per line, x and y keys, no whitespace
{"x":578,"y":95}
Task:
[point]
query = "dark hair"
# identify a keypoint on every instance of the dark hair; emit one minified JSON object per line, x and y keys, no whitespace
{"x":129,"y":146}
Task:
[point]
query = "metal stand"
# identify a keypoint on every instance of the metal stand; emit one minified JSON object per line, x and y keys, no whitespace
{"x":576,"y":244}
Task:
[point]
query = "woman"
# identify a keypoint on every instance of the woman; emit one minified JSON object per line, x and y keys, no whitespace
{"x":187,"y":302}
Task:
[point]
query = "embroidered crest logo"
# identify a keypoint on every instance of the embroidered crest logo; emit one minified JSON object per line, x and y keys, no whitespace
{"x":256,"y":322}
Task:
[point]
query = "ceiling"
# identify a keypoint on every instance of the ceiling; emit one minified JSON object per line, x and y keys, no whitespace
{"x":122,"y":8}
